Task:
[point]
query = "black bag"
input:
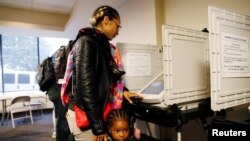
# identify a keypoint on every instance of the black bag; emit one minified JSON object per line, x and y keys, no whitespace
{"x":46,"y":74}
{"x":54,"y":67}
{"x":60,"y":62}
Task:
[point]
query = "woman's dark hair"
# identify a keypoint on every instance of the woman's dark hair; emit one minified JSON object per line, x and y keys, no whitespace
{"x":101,"y":12}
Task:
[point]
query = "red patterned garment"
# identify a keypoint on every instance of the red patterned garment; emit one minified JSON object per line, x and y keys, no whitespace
{"x":117,"y":95}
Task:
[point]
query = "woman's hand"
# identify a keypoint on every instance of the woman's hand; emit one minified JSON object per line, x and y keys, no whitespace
{"x":102,"y":137}
{"x":137,"y":133}
{"x":129,"y":96}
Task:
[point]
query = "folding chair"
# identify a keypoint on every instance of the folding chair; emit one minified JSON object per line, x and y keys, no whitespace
{"x":19,"y":105}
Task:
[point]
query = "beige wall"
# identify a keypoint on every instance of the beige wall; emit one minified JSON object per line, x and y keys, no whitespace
{"x":141,"y":19}
{"x":25,"y":22}
{"x":138,"y":22}
{"x":194,"y":13}
{"x":32,"y":17}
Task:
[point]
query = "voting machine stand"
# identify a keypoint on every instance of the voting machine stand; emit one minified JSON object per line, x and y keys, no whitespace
{"x":172,"y":116}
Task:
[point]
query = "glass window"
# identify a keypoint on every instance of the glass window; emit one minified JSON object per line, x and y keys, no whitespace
{"x":19,"y":53}
{"x":23,"y":79}
{"x":48,"y":46}
{"x":9,"y":78}
{"x":20,"y":56}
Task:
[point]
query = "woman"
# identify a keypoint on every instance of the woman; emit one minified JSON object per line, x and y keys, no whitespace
{"x":95,"y":70}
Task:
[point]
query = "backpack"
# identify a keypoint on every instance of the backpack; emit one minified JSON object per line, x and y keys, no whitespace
{"x":53,"y":68}
{"x":60,"y":61}
{"x":46,"y":74}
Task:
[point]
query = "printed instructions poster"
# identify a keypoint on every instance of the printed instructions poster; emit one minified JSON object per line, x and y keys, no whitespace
{"x":138,"y":64}
{"x":235,"y":55}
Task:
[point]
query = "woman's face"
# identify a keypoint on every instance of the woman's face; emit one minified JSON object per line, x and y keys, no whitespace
{"x":120,"y":130}
{"x":111,"y":27}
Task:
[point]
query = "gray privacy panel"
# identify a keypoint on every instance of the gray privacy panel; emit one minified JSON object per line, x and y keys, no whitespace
{"x":141,"y":63}
{"x":185,"y":61}
{"x":229,"y":46}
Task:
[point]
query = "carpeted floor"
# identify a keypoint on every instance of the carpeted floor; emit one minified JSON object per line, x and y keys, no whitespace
{"x":41,"y":130}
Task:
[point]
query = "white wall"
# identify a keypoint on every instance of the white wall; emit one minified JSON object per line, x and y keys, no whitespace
{"x":138,"y":22}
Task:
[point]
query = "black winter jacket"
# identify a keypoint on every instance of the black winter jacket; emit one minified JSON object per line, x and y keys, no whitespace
{"x":93,"y":75}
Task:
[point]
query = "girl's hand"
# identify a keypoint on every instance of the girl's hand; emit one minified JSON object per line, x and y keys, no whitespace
{"x":129,"y":96}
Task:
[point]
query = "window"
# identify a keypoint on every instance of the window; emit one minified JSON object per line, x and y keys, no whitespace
{"x":19,"y":52}
{"x":20,"y":57}
{"x":23,"y":78}
{"x":48,"y":46}
{"x":9,"y":78}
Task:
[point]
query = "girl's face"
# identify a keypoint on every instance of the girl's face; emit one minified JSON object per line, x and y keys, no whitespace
{"x":120,"y":130}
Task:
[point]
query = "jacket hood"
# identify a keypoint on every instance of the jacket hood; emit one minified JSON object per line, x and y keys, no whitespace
{"x":94,"y":33}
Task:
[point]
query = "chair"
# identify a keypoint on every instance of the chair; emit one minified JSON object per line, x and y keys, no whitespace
{"x":19,"y":105}
{"x":35,"y":104}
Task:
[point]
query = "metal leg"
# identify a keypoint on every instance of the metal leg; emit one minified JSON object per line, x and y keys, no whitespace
{"x":178,"y":129}
{"x":4,"y":110}
{"x":12,"y":120}
{"x":179,"y":135}
{"x":54,"y":123}
{"x":149,"y":130}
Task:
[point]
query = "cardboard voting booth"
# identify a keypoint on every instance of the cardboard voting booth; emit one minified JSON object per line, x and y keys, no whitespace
{"x":141,"y":64}
{"x":194,"y":74}
{"x":185,"y":61}
{"x":229,"y":44}
{"x":182,"y":76}
{"x":176,"y":74}
{"x":229,"y":36}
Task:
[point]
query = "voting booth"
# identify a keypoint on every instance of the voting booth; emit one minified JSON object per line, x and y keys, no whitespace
{"x":173,"y":79}
{"x":229,"y":43}
{"x":186,"y":70}
{"x":141,"y":64}
{"x":184,"y":77}
{"x":229,"y":36}
{"x":194,"y":74}
{"x":179,"y":74}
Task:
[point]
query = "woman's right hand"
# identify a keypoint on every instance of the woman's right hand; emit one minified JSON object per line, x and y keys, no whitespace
{"x":102,"y":137}
{"x":128,"y":96}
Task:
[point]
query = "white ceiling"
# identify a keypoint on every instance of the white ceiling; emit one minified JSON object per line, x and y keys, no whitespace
{"x":50,"y":6}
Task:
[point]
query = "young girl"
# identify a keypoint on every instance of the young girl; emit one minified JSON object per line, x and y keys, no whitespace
{"x":120,"y":127}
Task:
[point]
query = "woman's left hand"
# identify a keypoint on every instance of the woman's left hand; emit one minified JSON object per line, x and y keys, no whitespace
{"x":102,"y":137}
{"x":129,"y":96}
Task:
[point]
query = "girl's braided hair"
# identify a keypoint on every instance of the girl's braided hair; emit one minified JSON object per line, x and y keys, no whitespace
{"x":101,"y":12}
{"x":119,"y":114}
